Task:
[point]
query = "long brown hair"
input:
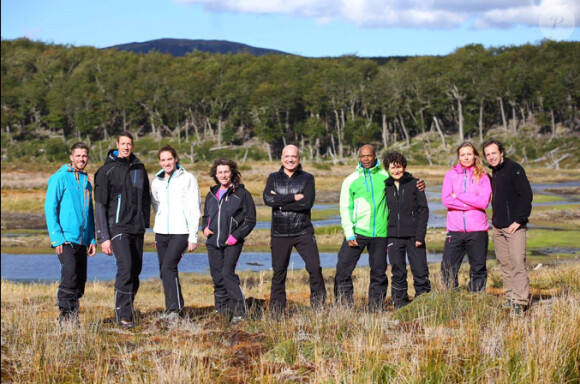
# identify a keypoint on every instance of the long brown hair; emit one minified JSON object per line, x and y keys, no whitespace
{"x":477,"y":164}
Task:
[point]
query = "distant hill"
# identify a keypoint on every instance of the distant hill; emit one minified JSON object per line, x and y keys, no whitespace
{"x":179,"y":47}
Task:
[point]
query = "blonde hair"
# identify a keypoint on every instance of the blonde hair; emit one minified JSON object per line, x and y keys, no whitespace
{"x":477,"y":164}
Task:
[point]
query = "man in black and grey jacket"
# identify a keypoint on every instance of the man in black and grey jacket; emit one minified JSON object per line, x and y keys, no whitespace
{"x":122,"y":212}
{"x":290,"y":193}
{"x":406,"y":230}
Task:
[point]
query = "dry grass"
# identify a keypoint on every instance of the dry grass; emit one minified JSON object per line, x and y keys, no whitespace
{"x":442,"y":337}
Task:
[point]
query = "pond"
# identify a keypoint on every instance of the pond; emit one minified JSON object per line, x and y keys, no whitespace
{"x":46,"y":268}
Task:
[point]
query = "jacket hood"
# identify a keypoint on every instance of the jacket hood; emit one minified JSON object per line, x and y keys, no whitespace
{"x":460,"y":169}
{"x":69,"y":168}
{"x":404,"y":179}
{"x":113,"y":155}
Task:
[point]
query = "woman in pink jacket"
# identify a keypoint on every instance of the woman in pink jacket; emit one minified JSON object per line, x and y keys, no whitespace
{"x":466,"y":193}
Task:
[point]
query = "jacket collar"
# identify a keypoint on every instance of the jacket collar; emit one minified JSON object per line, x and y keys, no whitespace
{"x":405,"y":179}
{"x":179,"y":171}
{"x":500,"y":166}
{"x":298,"y":170}
{"x":374,"y":169}
{"x":460,"y":169}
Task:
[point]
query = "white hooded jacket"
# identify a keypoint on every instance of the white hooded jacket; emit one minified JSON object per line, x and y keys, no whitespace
{"x":176,"y":202}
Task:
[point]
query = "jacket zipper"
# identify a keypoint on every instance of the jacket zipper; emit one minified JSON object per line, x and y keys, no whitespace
{"x":464,"y":190}
{"x":219,"y":218}
{"x":168,"y":200}
{"x":86,"y":199}
{"x":118,"y":208}
{"x":374,"y":204}
{"x":398,"y":210}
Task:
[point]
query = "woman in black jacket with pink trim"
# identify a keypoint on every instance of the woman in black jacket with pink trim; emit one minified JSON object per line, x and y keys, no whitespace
{"x":229,"y":217}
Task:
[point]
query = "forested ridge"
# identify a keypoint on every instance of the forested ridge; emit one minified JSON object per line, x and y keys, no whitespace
{"x":330,"y":106}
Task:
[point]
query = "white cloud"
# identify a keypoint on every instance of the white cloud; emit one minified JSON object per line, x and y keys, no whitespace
{"x":432,"y":14}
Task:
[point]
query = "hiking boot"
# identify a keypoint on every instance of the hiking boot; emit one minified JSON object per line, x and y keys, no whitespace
{"x":401,"y":304}
{"x":68,"y":319}
{"x":237,"y":319}
{"x":515,"y":308}
{"x":126,"y":323}
{"x":519,"y":309}
{"x":171,"y":316}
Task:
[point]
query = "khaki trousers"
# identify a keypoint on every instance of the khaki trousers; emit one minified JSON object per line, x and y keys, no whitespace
{"x":510,"y":250}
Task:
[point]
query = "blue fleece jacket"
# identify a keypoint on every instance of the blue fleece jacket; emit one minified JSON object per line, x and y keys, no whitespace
{"x":69,"y":208}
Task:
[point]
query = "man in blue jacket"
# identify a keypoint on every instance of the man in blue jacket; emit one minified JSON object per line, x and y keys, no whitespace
{"x":69,"y":218}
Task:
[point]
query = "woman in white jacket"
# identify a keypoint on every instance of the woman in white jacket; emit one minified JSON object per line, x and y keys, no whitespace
{"x":176,"y":201}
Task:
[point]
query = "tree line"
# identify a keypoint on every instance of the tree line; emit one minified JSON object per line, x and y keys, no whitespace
{"x":329,"y":106}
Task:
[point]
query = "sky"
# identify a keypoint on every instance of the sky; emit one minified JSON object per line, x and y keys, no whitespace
{"x":311,"y":28}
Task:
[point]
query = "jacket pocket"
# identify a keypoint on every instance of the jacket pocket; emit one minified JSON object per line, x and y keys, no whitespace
{"x":233,"y":225}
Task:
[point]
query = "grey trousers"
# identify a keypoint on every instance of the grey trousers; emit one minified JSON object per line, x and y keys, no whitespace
{"x":510,"y":250}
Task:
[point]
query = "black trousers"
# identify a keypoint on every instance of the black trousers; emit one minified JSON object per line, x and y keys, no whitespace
{"x":228,"y":295}
{"x":128,"y":250}
{"x":348,"y":258}
{"x":307,"y":249}
{"x":73,"y":277}
{"x":170,"y":249}
{"x":398,"y":249}
{"x":456,"y":245}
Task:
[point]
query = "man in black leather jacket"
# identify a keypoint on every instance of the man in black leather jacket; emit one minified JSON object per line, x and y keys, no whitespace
{"x":290,"y":193}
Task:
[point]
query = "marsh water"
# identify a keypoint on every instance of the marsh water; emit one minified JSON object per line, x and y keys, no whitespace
{"x":46,"y":268}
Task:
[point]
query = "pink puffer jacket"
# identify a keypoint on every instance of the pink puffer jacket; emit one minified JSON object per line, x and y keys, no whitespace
{"x":465,"y":211}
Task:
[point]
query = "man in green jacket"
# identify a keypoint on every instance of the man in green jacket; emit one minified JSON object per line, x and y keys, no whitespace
{"x":363,"y":213}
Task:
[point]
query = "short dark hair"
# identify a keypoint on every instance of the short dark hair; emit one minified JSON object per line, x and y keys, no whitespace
{"x":170,"y":149}
{"x":394,"y":158}
{"x":492,"y":141}
{"x":236,"y":176}
{"x":125,"y":134}
{"x":79,"y":145}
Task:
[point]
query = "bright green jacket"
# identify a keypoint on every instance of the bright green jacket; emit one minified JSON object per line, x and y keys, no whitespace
{"x":363,"y":205}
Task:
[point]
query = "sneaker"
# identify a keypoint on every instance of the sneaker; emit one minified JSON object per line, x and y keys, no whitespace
{"x":126,"y":324}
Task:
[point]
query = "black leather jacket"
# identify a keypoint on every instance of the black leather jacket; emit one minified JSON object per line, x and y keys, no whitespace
{"x":290,"y":217}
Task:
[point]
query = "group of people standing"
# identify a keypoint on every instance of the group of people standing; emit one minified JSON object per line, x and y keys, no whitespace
{"x":383,"y":209}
